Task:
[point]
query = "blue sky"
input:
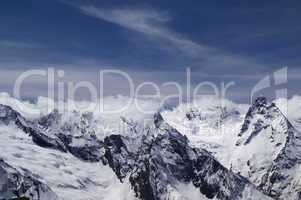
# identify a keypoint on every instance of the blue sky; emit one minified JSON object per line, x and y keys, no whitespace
{"x":240,"y":41}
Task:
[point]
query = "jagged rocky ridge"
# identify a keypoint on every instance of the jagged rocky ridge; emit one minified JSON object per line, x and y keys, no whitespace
{"x":155,"y":163}
{"x":76,"y":136}
{"x":215,"y":117}
{"x":165,"y":160}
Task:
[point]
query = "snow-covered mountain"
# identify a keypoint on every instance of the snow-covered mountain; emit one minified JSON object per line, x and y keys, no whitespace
{"x":268,"y":151}
{"x":163,"y":163}
{"x":211,"y":150}
{"x":209,"y":123}
{"x":258,"y":143}
{"x":69,"y":175}
{"x":69,"y":161}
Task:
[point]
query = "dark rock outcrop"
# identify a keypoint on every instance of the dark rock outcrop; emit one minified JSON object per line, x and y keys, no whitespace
{"x":20,"y":184}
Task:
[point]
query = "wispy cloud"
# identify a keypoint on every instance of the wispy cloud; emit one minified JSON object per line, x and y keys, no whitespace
{"x":149,"y":22}
{"x":154,"y":24}
{"x":145,"y":21}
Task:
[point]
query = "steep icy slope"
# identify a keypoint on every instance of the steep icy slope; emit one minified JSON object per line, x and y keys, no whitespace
{"x":209,"y":123}
{"x":291,"y":109}
{"x":268,"y":151}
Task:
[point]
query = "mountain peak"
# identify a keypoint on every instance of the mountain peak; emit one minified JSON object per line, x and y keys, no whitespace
{"x":260,"y":101}
{"x":7,"y":114}
{"x":158,"y":119}
{"x":260,"y":114}
{"x":268,"y":149}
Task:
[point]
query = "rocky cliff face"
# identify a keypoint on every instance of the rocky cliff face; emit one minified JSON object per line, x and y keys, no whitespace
{"x":165,"y":160}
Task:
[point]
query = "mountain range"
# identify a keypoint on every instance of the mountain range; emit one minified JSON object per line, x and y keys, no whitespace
{"x":210,"y":150}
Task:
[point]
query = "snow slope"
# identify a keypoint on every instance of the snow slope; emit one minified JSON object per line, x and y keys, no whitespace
{"x":68,"y":176}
